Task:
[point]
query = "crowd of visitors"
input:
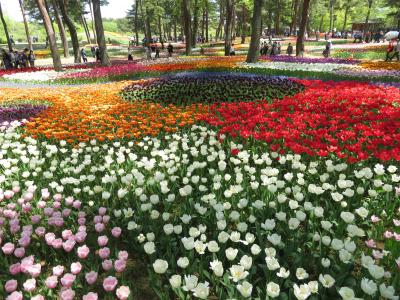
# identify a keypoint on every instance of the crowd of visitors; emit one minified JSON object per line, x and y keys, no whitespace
{"x":17,"y":59}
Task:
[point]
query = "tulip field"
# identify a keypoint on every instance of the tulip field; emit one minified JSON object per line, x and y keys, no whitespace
{"x":201,"y":178}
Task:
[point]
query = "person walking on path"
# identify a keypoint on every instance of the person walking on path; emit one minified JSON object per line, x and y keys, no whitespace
{"x":31,"y":58}
{"x":289,"y":49}
{"x":130,"y":56}
{"x":170,"y":49}
{"x":83,"y":55}
{"x":396,"y":51}
{"x":98,"y":59}
{"x":389,"y":50}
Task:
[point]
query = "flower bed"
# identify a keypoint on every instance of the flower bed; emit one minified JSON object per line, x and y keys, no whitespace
{"x":206,"y":87}
{"x":296,"y":198}
{"x":24,"y":111}
{"x":341,"y":118}
{"x":309,"y":60}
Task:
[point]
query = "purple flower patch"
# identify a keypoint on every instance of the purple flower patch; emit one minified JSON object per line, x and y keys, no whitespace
{"x":20,"y":112}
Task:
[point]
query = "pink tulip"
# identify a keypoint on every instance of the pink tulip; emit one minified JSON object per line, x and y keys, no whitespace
{"x":57,"y":197}
{"x":123,"y":255}
{"x":66,"y":234}
{"x":38,"y":297}
{"x":15,"y":269}
{"x":370,"y":243}
{"x":68,"y":245}
{"x":106,"y":219}
{"x":91,"y":277}
{"x":35,"y":219}
{"x":26,"y":263}
{"x":69,"y":201}
{"x":57,"y":243}
{"x":67,"y":280}
{"x":49,"y":237}
{"x":35,"y":270}
{"x":56,"y":205}
{"x":11,"y":286}
{"x":120,"y":265}
{"x":116,"y":232}
{"x":41,"y":204}
{"x":8,"y":248}
{"x":104,"y":252}
{"x":66,"y":212}
{"x":107,"y":265}
{"x":30,"y":285}
{"x":110,"y":283}
{"x":24,"y":241}
{"x":15,"y":296}
{"x":97,"y":219}
{"x":82,"y":221}
{"x":51,"y":282}
{"x":388,"y":234}
{"x":90,"y":296}
{"x":102,"y":211}
{"x":77,"y":204}
{"x":102,"y":240}
{"x":99,"y":227}
{"x":19,"y":252}
{"x":76,"y":268}
{"x":83,"y":251}
{"x":8,"y":194}
{"x":67,"y":294}
{"x":123,"y":292}
{"x":375,"y":219}
{"x":80,"y":236}
{"x":40,"y":231}
{"x":58,"y":270}
{"x":16,"y":189}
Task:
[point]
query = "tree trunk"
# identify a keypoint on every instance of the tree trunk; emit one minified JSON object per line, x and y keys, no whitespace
{"x":228,"y":26}
{"x":321,"y":24}
{"x":368,"y":14}
{"x":101,"y":41}
{"x":203,"y":23}
{"x":303,"y":24}
{"x":147,"y":32}
{"x":195,"y":23}
{"x":50,"y":34}
{"x":160,"y":30}
{"x":277,"y":17}
{"x":85,"y":27}
{"x":175,"y":32}
{"x":5,"y":29}
{"x":72,"y":31}
{"x":244,"y":25}
{"x":137,"y":23}
{"x":346,"y":12}
{"x":28,"y":36}
{"x":221,"y":21}
{"x":254,"y":49}
{"x":93,"y":21}
{"x":187,"y":26}
{"x":294,"y":17}
{"x":207,"y":24}
{"x":61,"y":29}
{"x":331,"y":5}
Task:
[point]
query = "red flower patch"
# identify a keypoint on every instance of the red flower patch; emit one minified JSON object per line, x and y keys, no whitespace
{"x":353,"y":120}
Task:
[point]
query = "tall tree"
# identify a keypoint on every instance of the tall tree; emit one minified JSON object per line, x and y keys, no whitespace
{"x":302,"y":29}
{"x":244,"y":23}
{"x":28,"y":36}
{"x":187,"y":26}
{"x":230,"y":4}
{"x":51,"y":35}
{"x":254,"y":50}
{"x":370,"y":2}
{"x":295,"y":10}
{"x":5,"y":29}
{"x":61,"y":28}
{"x":206,"y":7}
{"x":195,"y":23}
{"x":93,"y":20}
{"x":72,"y":31}
{"x":331,"y":17}
{"x":101,"y":40}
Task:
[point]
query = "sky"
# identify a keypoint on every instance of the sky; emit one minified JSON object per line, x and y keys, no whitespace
{"x":115,"y":9}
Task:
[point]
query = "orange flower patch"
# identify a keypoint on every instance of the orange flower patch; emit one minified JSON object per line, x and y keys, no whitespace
{"x":381,"y":65}
{"x":90,"y":112}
